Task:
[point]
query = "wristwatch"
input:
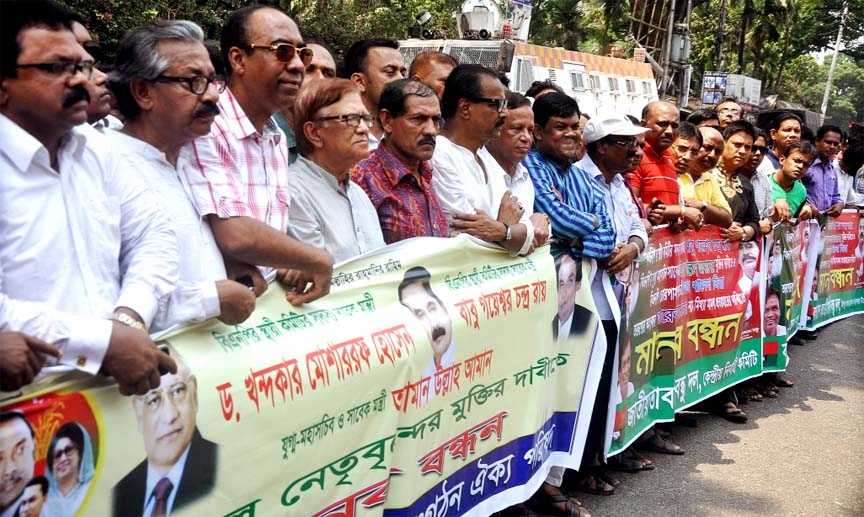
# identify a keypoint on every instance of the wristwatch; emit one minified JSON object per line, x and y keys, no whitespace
{"x":129,"y":321}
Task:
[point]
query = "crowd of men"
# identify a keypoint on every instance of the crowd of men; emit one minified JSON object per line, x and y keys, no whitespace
{"x":173,"y":188}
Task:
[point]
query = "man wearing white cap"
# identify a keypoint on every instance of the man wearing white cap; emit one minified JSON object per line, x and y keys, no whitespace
{"x":612,"y":146}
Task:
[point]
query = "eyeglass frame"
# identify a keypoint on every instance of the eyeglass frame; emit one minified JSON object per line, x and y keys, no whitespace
{"x":729,"y":111}
{"x":58,"y":68}
{"x":347,"y":119}
{"x":274,"y":47}
{"x":67,"y":451}
{"x":500,"y":104}
{"x":217,"y":80}
{"x":628,"y":144}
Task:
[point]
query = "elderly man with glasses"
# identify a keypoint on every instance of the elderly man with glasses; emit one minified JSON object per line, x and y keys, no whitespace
{"x":166,"y":107}
{"x":328,"y":210}
{"x":728,"y":111}
{"x":241,"y":181}
{"x":474,"y":107}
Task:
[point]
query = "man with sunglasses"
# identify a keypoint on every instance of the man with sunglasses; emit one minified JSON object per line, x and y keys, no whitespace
{"x":71,"y":212}
{"x":475,"y":201}
{"x":166,"y":108}
{"x":397,"y":176}
{"x":240,"y":183}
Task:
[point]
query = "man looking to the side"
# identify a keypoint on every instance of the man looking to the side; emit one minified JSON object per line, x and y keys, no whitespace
{"x":416,"y":294}
{"x":397,"y":176}
{"x":432,"y":69}
{"x":699,"y":187}
{"x":97,"y":87}
{"x":166,"y":107}
{"x":240,"y":184}
{"x":371,"y":64}
{"x":34,"y":497}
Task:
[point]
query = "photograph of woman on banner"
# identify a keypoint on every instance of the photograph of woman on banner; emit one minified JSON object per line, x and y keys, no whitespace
{"x":69,"y":469}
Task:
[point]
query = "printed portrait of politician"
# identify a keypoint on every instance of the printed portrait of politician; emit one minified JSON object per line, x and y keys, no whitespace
{"x":35,"y":495}
{"x":748,"y":257}
{"x":181,"y":465}
{"x":771,"y":323}
{"x":17,"y":460}
{"x":859,"y":254}
{"x":69,"y":468}
{"x":417,"y":295}
{"x":571,"y":319}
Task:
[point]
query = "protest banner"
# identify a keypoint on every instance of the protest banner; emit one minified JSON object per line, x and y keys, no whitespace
{"x":431,"y":381}
{"x":837,"y":285}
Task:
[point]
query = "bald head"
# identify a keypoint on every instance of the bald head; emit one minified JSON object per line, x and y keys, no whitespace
{"x":710,"y":152}
{"x":661,"y":118}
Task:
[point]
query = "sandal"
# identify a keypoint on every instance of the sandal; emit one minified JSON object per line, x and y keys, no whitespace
{"x":620,"y":463}
{"x":602,"y":474}
{"x":732,"y":413}
{"x":591,"y":484}
{"x":518,"y":510}
{"x":550,"y":504}
{"x":647,"y":464}
{"x":769,"y":390}
{"x":657,"y":444}
{"x":781,"y":381}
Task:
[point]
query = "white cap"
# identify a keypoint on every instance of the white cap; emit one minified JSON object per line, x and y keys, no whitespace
{"x":617,"y":125}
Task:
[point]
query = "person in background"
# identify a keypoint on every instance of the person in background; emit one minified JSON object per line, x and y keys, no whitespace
{"x":850,"y":181}
{"x":370,"y":64}
{"x":432,"y":69}
{"x":699,"y":188}
{"x":98,"y":113}
{"x":704,"y":118}
{"x":728,"y":111}
{"x":785,"y":130}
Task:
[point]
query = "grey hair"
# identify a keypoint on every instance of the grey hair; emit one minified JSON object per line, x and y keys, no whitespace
{"x":138,"y":58}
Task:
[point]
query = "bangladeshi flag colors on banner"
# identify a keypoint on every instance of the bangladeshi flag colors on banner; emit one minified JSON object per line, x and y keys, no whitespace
{"x":439,"y":377}
{"x":836,"y":290}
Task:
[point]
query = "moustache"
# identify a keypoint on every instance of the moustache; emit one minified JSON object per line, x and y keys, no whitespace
{"x":206,"y":110}
{"x":426,"y":141}
{"x":77,"y":94}
{"x":438,"y":333}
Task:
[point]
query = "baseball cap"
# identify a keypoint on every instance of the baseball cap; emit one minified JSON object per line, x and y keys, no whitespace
{"x":617,"y":125}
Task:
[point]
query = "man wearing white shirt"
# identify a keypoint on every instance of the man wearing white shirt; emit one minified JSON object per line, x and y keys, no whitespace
{"x":508,"y":150}
{"x":70,"y":211}
{"x":166,"y":107}
{"x":475,"y":201}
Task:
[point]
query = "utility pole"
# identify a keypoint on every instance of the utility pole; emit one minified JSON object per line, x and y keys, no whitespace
{"x":664,"y":84}
{"x":833,"y":62}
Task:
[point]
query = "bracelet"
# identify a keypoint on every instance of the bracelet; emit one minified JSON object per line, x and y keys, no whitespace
{"x":638,"y":251}
{"x":509,"y":232}
{"x":129,"y":321}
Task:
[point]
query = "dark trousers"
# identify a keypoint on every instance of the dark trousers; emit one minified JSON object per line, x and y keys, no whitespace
{"x":597,"y":429}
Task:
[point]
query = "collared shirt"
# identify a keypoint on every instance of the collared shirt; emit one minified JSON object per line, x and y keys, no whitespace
{"x":762,"y":193}
{"x":705,"y":189}
{"x":770,"y":163}
{"x":239,"y":171}
{"x":821,"y":184}
{"x":327,"y":215}
{"x":851,"y":187}
{"x":290,"y":137}
{"x":407,"y":206}
{"x":374,"y":141}
{"x":655,"y":178}
{"x":201,"y":265}
{"x":625,"y":220}
{"x":174,"y":475}
{"x":464,"y":183}
{"x":738,"y":191}
{"x":524,"y":192}
{"x":571,"y":198}
{"x":82,"y":241}
{"x":795,"y":197}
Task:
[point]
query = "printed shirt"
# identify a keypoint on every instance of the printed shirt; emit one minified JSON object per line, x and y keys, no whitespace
{"x":795,"y":197}
{"x":655,"y":178}
{"x":821,"y":184}
{"x":762,"y":193}
{"x":201,"y":264}
{"x":571,"y":198}
{"x":739,"y":193}
{"x":240,"y":172}
{"x":94,"y":226}
{"x":327,"y":215}
{"x":407,"y":207}
{"x":705,"y":189}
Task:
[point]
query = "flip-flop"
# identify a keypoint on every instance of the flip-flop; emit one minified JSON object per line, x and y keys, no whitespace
{"x":546,"y":503}
{"x":647,"y":464}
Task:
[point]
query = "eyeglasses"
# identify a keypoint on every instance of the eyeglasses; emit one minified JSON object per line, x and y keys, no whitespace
{"x":350,"y":119}
{"x":629,"y":144}
{"x":760,"y":149}
{"x":58,"y":68}
{"x":285,"y":52}
{"x":198,"y":84}
{"x":67,"y":451}
{"x":499,"y":104}
{"x":178,"y":392}
{"x":729,"y":111}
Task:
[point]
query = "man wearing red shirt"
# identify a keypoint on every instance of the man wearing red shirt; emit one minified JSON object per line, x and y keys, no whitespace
{"x":655,"y":178}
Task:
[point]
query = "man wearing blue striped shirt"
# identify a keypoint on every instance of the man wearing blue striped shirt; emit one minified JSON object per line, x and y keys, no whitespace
{"x":573,"y":200}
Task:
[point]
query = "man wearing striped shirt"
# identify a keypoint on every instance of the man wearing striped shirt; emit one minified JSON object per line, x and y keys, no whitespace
{"x":573,"y":200}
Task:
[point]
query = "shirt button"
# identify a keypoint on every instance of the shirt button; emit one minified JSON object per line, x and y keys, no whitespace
{"x":81,"y":361}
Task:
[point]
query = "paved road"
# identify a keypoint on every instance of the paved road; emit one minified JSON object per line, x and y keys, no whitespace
{"x":800,"y":454}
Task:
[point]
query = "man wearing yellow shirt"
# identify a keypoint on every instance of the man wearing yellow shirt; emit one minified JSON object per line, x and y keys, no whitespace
{"x":699,"y":187}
